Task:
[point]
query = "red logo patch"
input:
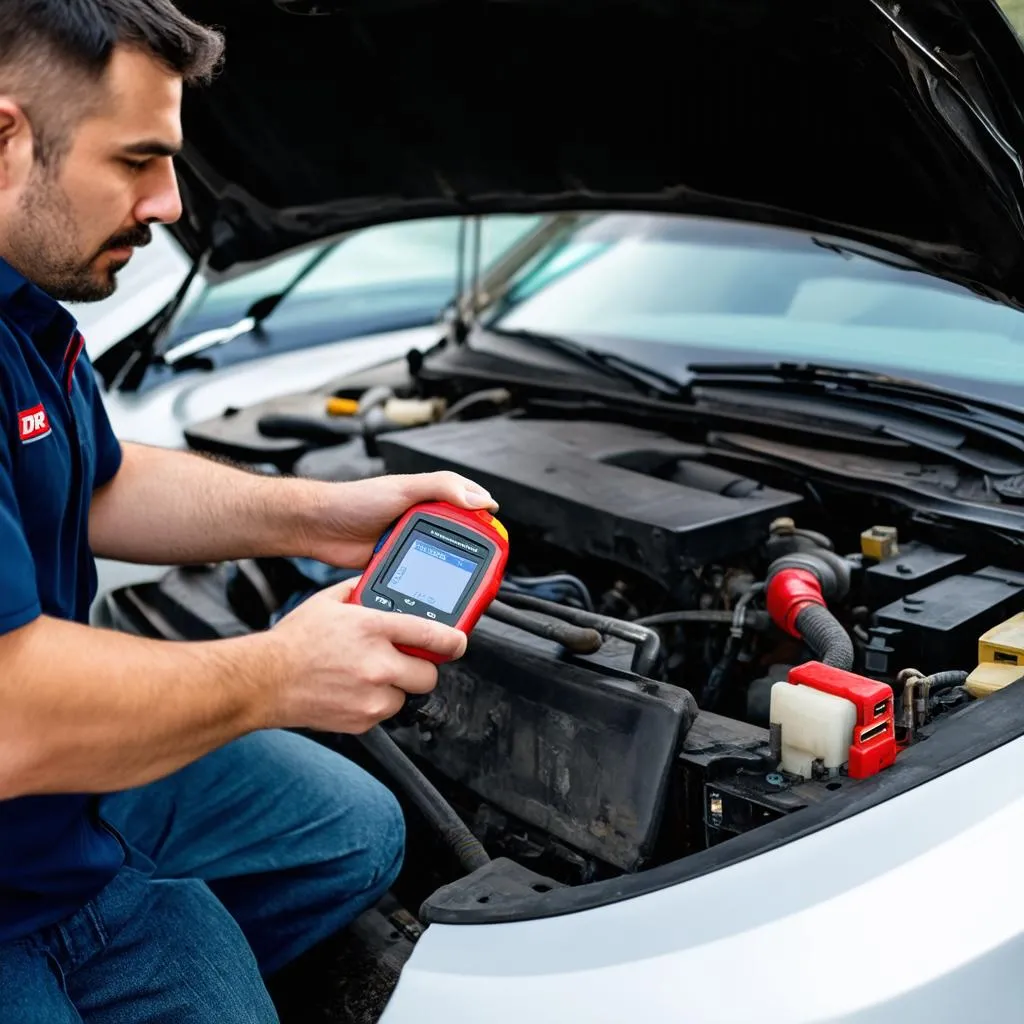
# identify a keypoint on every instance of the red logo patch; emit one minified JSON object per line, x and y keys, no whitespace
{"x":33,"y":424}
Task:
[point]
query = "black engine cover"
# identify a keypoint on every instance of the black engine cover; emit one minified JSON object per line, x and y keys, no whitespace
{"x":567,"y":745}
{"x":628,"y":496}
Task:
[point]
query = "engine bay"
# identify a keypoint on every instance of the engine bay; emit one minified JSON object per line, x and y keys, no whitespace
{"x":683,"y":651}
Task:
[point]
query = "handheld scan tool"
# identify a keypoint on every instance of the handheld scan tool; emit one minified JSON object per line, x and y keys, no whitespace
{"x":439,"y":562}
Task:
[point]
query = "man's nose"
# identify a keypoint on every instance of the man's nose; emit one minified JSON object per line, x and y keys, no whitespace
{"x":161,"y":200}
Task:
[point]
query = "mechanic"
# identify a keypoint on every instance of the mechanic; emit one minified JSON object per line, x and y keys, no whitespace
{"x":167,"y":841}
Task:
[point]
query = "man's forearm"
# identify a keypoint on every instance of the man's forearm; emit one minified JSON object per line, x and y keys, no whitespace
{"x":167,"y":507}
{"x":121,"y":711}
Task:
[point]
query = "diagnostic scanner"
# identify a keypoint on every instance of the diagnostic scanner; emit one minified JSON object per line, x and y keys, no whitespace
{"x":439,"y":562}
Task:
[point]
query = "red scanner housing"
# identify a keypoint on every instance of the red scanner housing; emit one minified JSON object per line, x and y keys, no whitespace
{"x":874,"y":733}
{"x":439,"y":562}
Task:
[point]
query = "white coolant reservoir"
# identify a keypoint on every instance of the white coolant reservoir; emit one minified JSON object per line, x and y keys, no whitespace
{"x":814,"y":726}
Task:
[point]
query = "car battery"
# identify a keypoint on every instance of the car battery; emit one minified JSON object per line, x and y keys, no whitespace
{"x":729,"y":784}
{"x":740,"y":801}
{"x":937,"y":628}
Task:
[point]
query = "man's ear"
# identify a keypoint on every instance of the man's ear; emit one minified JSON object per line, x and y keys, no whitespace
{"x":16,"y":144}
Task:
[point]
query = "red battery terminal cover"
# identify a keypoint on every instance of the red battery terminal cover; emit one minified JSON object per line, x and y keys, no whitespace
{"x":874,"y":733}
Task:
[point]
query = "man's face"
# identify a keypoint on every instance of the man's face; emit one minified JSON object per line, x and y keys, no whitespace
{"x":71,"y":227}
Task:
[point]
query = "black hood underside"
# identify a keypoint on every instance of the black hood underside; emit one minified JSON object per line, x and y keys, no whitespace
{"x":831,"y":115}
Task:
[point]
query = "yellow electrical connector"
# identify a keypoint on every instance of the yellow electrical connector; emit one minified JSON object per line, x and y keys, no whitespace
{"x":879,"y":543}
{"x":1000,"y":658}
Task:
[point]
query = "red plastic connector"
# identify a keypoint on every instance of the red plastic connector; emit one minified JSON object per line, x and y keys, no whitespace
{"x":874,"y":734}
{"x":790,"y":591}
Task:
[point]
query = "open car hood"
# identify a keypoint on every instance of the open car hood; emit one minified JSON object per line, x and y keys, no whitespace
{"x":890,"y":124}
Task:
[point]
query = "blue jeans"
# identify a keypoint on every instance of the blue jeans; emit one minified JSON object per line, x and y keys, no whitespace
{"x":237,"y":864}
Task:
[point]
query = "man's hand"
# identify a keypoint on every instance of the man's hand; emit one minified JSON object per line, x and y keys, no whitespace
{"x":350,"y":518}
{"x":338,"y":666}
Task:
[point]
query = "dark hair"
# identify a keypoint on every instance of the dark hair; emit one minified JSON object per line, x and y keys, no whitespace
{"x":42,"y":42}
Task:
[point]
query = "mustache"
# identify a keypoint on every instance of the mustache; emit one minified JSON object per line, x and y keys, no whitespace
{"x":135,"y":238}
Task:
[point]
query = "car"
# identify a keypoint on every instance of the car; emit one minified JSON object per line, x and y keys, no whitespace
{"x":741,"y":738}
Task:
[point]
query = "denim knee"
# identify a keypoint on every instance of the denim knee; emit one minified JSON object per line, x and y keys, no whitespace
{"x":383,"y":848}
{"x":340,"y":864}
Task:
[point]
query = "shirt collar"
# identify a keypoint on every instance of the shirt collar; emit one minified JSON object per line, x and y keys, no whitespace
{"x":39,"y":315}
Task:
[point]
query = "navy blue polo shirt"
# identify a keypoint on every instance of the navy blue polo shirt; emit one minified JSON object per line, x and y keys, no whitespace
{"x":56,"y":447}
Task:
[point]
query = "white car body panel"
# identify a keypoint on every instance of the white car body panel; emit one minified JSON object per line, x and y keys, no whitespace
{"x":910,"y":911}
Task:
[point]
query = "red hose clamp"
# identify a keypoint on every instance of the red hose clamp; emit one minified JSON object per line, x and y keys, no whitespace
{"x":790,"y":591}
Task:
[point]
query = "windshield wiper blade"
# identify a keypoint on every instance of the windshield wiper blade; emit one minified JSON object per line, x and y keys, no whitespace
{"x":254,"y":318}
{"x":644,"y":378}
{"x":806,"y":372}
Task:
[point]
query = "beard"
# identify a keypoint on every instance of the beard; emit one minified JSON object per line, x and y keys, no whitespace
{"x":45,"y":246}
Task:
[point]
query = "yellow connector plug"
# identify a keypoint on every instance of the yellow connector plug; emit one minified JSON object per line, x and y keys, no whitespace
{"x":879,"y":543}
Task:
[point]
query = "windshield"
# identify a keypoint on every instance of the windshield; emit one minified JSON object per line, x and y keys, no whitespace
{"x":672,"y":290}
{"x":409,"y":267}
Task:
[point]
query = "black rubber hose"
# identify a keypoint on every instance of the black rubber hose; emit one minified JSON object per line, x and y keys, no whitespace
{"x":943,"y":681}
{"x":758,"y":621}
{"x":718,"y":615}
{"x":713,"y":687}
{"x":438,"y":812}
{"x":825,"y":636}
{"x":309,"y":428}
{"x":646,"y":641}
{"x":742,"y":620}
{"x":492,"y":396}
{"x":521,"y":584}
{"x":819,"y":540}
{"x":573,"y":638}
